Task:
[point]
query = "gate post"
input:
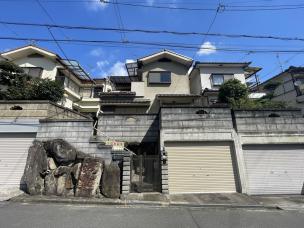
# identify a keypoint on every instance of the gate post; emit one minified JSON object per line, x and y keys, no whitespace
{"x":126,"y":173}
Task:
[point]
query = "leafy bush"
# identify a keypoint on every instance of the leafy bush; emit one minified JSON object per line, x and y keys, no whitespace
{"x":232,"y":90}
{"x":19,"y":86}
{"x":235,"y":94}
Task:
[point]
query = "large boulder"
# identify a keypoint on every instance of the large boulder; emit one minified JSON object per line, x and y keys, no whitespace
{"x":61,"y":151}
{"x":50,"y":184}
{"x":35,"y":169}
{"x":110,"y":184}
{"x":89,"y":177}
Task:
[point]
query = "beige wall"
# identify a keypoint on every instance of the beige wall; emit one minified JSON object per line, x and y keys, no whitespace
{"x":195,"y":82}
{"x":179,"y":81}
{"x":49,"y":66}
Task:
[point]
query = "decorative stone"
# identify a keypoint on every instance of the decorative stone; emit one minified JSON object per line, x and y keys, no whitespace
{"x":110,"y":186}
{"x":61,"y":185}
{"x":61,"y":170}
{"x":50,"y":184}
{"x":61,"y":151}
{"x":51,"y":163}
{"x":35,"y":169}
{"x":89,"y":178}
{"x":75,"y":171}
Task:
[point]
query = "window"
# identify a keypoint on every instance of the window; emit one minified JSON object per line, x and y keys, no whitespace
{"x":163,"y":77}
{"x":35,"y":72}
{"x":217,"y":79}
{"x":97,"y":91}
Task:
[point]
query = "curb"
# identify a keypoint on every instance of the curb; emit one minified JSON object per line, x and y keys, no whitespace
{"x":141,"y":203}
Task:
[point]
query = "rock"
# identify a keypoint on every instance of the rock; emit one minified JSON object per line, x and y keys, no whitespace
{"x":110,"y":184}
{"x":51,"y":163}
{"x":89,"y":178}
{"x":35,"y":168}
{"x":61,"y":185}
{"x":61,"y":170}
{"x":75,"y":171}
{"x":61,"y":151}
{"x":81,"y":155}
{"x":50,"y":184}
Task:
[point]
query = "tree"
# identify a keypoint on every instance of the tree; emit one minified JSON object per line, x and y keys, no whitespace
{"x":16,"y":85}
{"x":232,"y":91}
{"x":236,"y":94}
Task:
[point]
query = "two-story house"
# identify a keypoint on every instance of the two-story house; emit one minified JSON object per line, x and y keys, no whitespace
{"x":80,"y":91}
{"x":287,"y":86}
{"x":207,"y":77}
{"x":155,"y":80}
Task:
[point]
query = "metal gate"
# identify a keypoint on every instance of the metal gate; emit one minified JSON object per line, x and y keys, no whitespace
{"x":145,"y":173}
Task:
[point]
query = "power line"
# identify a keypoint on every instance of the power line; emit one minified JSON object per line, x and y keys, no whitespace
{"x":180,"y":33}
{"x":210,"y":26}
{"x":158,"y":44}
{"x":228,"y":8}
{"x":49,"y":16}
{"x":119,"y":21}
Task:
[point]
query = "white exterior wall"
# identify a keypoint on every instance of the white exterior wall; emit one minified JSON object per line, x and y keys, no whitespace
{"x":206,"y":72}
{"x":49,"y":66}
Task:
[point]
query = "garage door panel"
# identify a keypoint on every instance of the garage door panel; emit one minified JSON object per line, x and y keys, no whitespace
{"x":200,"y":168}
{"x":13,"y":155}
{"x":274,"y":169}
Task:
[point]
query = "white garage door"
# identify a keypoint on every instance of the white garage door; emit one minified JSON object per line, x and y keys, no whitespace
{"x":13,"y":155}
{"x":274,"y":169}
{"x":196,"y":167}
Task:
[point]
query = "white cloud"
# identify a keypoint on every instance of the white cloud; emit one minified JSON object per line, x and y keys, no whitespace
{"x":207,"y":48}
{"x":96,"y":5}
{"x":101,"y":64}
{"x":104,"y":69}
{"x":96,"y":52}
{"x":118,"y":69}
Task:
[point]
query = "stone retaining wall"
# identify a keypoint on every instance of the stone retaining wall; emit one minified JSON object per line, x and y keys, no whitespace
{"x":76,"y":132}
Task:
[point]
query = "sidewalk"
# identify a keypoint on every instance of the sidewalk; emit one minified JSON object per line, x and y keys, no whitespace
{"x":235,"y":200}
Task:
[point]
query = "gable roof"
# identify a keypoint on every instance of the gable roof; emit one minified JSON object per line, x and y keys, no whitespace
{"x":166,"y":54}
{"x":27,"y":50}
{"x":70,"y":65}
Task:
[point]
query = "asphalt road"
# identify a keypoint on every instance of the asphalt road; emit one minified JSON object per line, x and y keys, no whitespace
{"x":68,"y":216}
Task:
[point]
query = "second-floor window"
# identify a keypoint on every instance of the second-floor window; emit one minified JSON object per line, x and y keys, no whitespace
{"x":219,"y":79}
{"x":35,"y":72}
{"x":159,"y":77}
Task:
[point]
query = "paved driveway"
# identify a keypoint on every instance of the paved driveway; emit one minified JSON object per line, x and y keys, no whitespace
{"x":68,"y":216}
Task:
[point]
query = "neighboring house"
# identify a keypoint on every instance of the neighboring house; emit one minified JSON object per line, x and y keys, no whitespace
{"x":288,"y":87}
{"x":160,"y":79}
{"x":207,"y":77}
{"x":80,"y":91}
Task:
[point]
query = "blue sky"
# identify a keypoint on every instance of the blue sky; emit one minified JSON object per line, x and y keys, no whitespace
{"x":100,"y":60}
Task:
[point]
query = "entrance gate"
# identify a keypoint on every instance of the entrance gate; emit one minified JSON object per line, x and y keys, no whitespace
{"x":145,"y":173}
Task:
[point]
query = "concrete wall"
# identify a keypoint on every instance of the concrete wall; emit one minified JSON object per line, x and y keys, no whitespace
{"x":37,"y":110}
{"x":77,"y":132}
{"x":128,"y":128}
